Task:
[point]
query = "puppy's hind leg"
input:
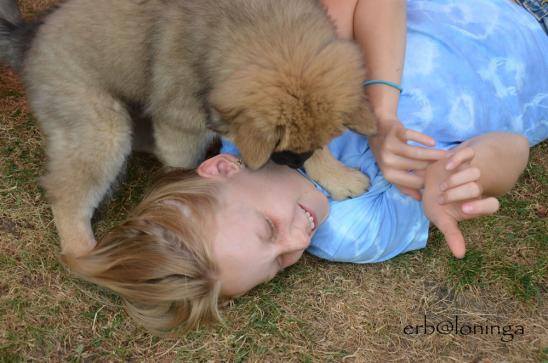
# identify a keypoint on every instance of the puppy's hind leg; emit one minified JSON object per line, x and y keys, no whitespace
{"x":88,"y":139}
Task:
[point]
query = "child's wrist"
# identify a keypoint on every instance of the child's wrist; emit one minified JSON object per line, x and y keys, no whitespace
{"x":386,"y":118}
{"x":383,"y":104}
{"x":383,"y":83}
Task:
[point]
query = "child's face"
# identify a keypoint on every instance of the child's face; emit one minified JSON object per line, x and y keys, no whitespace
{"x":265,"y":222}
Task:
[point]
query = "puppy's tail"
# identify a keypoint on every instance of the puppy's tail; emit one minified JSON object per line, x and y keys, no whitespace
{"x":15,"y":34}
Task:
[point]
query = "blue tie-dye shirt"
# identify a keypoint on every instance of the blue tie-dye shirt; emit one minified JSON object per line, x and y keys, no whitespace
{"x":471,"y":67}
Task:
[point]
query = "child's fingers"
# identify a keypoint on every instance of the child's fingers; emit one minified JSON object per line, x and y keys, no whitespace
{"x":412,"y":135}
{"x":453,"y":237}
{"x":459,"y":157}
{"x":466,"y":191}
{"x":398,"y":162}
{"x":419,"y":153}
{"x":481,"y":207}
{"x":404,"y":179}
{"x":462,"y":177}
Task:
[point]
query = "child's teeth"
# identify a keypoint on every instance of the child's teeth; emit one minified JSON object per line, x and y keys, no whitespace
{"x":310,"y":220}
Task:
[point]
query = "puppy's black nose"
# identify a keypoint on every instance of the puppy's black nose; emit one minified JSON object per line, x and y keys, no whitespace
{"x":291,"y":159}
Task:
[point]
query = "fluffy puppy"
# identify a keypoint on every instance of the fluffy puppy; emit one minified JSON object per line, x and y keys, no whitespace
{"x":268,"y":74}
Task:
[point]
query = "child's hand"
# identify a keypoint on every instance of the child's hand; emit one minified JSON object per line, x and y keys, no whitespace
{"x":453,"y":193}
{"x":396,"y":158}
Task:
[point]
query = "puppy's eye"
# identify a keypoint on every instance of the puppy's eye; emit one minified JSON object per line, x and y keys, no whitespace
{"x":220,"y":128}
{"x":279,"y":132}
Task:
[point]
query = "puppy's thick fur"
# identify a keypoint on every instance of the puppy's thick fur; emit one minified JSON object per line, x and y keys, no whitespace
{"x":268,"y":74}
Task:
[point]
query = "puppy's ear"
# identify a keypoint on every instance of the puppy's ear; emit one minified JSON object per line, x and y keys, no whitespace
{"x":256,"y":144}
{"x":362,"y":121}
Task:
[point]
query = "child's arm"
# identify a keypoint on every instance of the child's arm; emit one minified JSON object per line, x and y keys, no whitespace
{"x":380,"y":30}
{"x":463,"y":186}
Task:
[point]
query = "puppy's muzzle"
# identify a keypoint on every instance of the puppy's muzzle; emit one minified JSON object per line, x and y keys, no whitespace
{"x":291,"y":159}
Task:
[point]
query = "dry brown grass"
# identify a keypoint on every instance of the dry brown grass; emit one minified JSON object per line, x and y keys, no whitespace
{"x":316,"y":311}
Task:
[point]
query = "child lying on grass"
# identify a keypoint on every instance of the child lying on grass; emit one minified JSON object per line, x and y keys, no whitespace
{"x":471,"y":87}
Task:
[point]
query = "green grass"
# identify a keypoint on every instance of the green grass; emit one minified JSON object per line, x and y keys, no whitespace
{"x":467,"y":271}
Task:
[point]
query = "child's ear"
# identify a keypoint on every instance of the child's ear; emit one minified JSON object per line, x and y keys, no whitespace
{"x":219,"y":166}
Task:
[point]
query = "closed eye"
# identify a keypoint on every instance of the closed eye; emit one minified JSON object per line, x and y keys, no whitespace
{"x":272,"y":230}
{"x":272,"y":236}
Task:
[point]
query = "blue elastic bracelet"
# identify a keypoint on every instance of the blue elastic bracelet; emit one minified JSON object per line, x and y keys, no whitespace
{"x":380,"y":81}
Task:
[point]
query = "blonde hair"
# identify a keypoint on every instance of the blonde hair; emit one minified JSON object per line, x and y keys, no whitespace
{"x":160,"y":260}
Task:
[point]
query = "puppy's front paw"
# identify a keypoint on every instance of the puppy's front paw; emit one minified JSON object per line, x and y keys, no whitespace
{"x":339,"y":180}
{"x":346,"y":183}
